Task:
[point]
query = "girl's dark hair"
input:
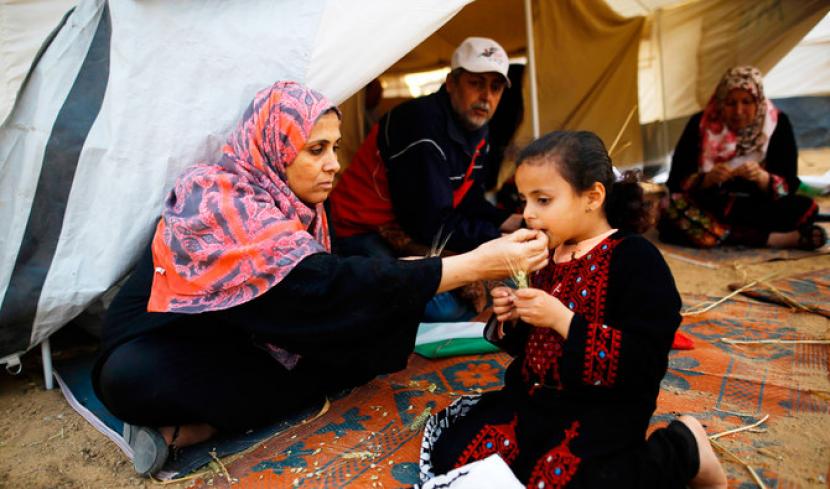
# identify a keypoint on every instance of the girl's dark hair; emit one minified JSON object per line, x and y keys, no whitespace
{"x":582,"y":160}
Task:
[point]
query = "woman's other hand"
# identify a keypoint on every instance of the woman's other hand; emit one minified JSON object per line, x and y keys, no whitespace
{"x":717,"y":175}
{"x":538,"y":308}
{"x":754,"y":172}
{"x":503,"y":306}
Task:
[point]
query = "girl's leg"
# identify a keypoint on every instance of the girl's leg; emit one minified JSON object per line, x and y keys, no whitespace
{"x":710,"y":474}
{"x":678,"y":456}
{"x":489,"y":427}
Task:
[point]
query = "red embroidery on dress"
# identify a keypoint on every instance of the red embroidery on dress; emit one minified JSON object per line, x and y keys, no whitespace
{"x":581,"y":285}
{"x":542,"y":353}
{"x":499,"y":438}
{"x":602,"y":348}
{"x":557,"y":467}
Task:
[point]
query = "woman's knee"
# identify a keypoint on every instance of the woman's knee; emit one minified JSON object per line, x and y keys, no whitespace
{"x":125,"y":380}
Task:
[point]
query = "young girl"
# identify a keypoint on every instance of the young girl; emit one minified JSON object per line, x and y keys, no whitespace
{"x":591,"y":340}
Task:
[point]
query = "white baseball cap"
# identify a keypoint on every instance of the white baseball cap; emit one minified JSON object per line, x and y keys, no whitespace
{"x":481,"y":55}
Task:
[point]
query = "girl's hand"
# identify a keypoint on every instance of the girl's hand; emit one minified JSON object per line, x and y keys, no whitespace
{"x":538,"y":308}
{"x":754,"y":172}
{"x":503,"y":306}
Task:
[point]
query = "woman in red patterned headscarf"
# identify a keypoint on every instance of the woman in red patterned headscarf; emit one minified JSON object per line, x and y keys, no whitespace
{"x":734,"y":174}
{"x":231,"y":231}
{"x":239,"y":293}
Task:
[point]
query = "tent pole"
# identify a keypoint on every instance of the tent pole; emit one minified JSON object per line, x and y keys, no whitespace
{"x":531,"y":63}
{"x":664,"y":124}
{"x":46,"y":355}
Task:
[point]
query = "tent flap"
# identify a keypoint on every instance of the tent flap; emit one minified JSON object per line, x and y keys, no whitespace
{"x":587,"y":72}
{"x":105,"y":123}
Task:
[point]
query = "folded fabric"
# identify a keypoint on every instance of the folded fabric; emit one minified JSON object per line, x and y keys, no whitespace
{"x":682,"y":342}
{"x":456,"y":347}
{"x":489,"y":473}
{"x":439,"y":340}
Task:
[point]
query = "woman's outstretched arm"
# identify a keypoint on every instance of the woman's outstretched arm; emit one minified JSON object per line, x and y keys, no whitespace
{"x":524,"y":250}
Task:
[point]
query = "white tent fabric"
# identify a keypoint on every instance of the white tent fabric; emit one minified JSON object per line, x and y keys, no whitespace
{"x":23,"y":27}
{"x":689,"y":45}
{"x":804,"y":71}
{"x":177,"y":74}
{"x":174,"y":77}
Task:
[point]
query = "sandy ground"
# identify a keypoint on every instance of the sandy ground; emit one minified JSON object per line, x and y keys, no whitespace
{"x":45,"y":444}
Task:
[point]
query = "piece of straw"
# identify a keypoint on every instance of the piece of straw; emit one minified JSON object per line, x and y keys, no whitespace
{"x":197,"y":475}
{"x":363,"y":455}
{"x":323,"y":410}
{"x":775,"y":342}
{"x":738,"y":430}
{"x":421,"y":419}
{"x":789,"y":300}
{"x":518,"y":275}
{"x":619,"y":150}
{"x":707,"y":306}
{"x":222,"y":466}
{"x":439,"y":243}
{"x":622,"y":129}
{"x":739,"y":460}
{"x":776,"y":291}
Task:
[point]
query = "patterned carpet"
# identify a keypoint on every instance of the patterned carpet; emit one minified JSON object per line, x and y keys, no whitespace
{"x":371,"y":437}
{"x":730,"y":385}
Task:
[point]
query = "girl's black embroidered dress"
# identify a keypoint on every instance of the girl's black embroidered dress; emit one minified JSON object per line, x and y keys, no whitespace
{"x":574,"y":412}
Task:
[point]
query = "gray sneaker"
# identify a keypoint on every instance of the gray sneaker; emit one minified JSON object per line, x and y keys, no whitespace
{"x":150,"y":451}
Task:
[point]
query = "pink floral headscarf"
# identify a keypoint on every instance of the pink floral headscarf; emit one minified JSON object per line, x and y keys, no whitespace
{"x":719,"y":143}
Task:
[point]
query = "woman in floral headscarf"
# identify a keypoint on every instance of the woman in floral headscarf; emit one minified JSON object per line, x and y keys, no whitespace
{"x":239,"y":293}
{"x":734,"y":174}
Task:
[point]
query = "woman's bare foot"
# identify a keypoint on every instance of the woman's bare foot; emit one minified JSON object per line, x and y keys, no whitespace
{"x":711,"y":474}
{"x":783,"y":240}
{"x":189,"y":434}
{"x":808,"y":237}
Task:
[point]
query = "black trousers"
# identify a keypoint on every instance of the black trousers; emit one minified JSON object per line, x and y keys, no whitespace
{"x":201,"y":373}
{"x":752,"y":220}
{"x":667,"y":460}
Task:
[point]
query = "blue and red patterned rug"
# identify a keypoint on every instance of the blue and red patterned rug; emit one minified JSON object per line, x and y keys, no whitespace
{"x":371,"y":438}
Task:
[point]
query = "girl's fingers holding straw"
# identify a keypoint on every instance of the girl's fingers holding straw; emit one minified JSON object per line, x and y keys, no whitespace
{"x":507,"y":316}
{"x":499,"y":292}
{"x":529,"y":294}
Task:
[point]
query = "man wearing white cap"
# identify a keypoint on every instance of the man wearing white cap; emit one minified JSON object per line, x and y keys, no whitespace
{"x":421,"y":168}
